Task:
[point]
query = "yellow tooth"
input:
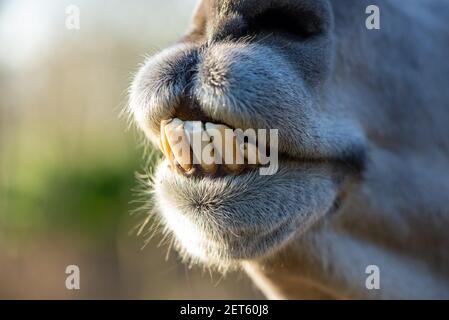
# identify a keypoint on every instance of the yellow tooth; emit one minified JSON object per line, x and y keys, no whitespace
{"x":195,"y":132}
{"x":251,"y":153}
{"x":177,"y":139}
{"x":217,"y":132}
{"x":192,"y":130}
{"x":178,"y":143}
{"x":165,"y":146}
{"x":227,"y":145}
{"x":207,"y":147}
{"x":250,"y":150}
{"x":237,"y":164}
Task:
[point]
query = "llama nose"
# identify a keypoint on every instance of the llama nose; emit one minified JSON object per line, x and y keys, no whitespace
{"x":231,"y":27}
{"x":300,"y":18}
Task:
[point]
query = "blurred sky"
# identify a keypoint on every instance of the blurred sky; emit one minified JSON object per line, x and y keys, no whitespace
{"x":29,"y":28}
{"x":68,"y":161}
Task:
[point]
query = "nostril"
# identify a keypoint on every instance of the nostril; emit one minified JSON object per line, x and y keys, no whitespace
{"x":282,"y":21}
{"x":300,"y":18}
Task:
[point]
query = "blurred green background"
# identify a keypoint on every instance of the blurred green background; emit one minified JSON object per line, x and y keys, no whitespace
{"x":68,"y":161}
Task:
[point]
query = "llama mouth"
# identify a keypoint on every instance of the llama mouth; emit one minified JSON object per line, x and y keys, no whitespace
{"x":217,"y":218}
{"x":196,"y":148}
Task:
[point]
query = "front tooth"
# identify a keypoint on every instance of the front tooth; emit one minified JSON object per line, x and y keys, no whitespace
{"x":227,"y":145}
{"x":164,"y":145}
{"x":179,"y":143}
{"x":193,"y":132}
{"x":199,"y":140}
{"x":251,"y":153}
{"x":217,"y":132}
{"x":208,"y":164}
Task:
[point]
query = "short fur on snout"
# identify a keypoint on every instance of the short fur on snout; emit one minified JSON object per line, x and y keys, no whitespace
{"x":362,"y":135}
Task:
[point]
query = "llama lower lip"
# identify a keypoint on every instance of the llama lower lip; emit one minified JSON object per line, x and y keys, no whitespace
{"x":251,"y":239}
{"x":228,"y":216}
